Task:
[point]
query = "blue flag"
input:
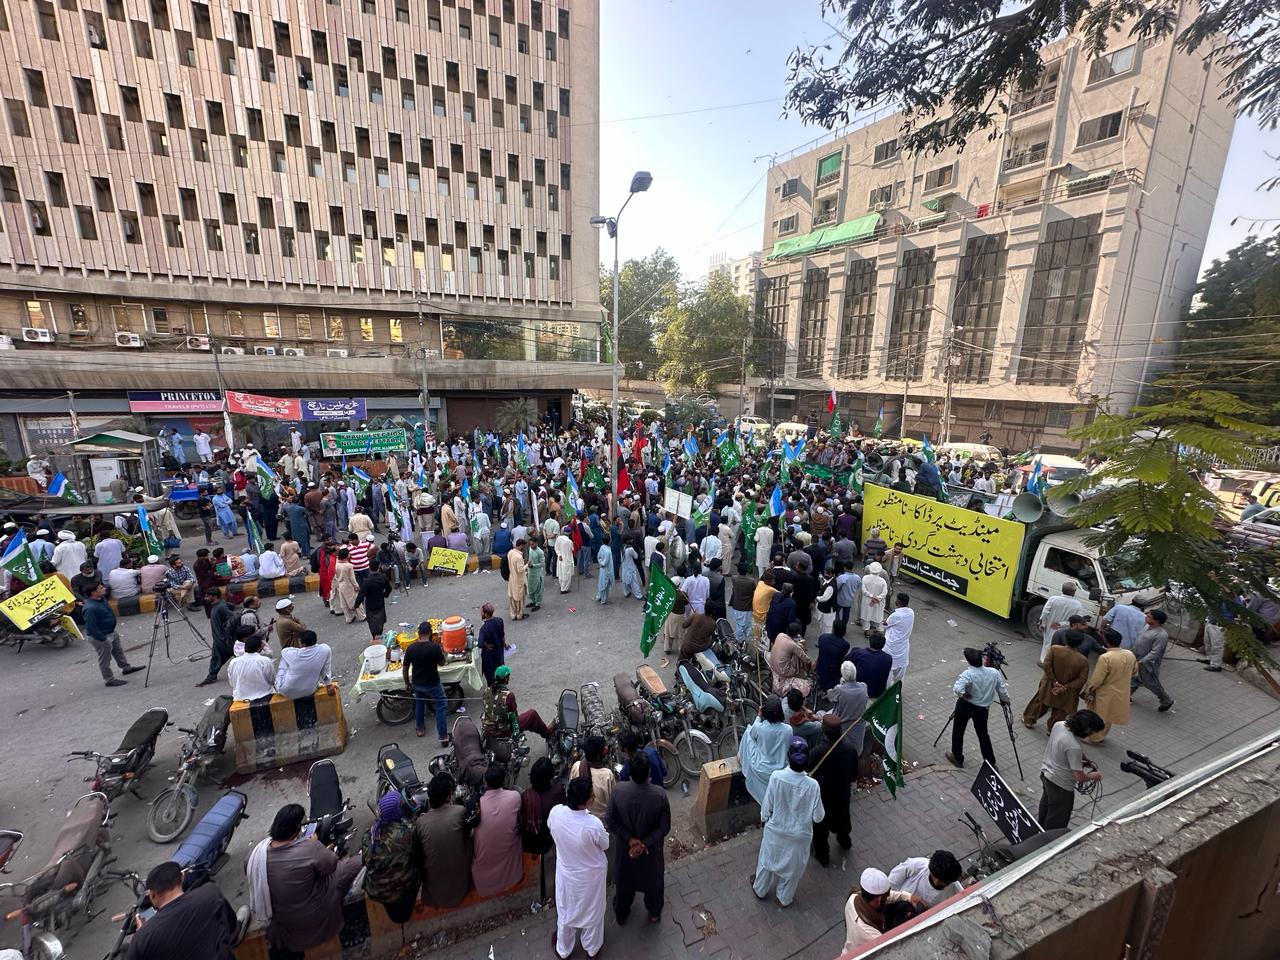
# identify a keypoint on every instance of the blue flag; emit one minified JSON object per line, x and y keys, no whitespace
{"x":153,"y":542}
{"x":573,"y":486}
{"x":475,"y":456}
{"x":466,"y":489}
{"x":776,"y":506}
{"x":344,"y":463}
{"x":1035,"y":482}
{"x":57,"y":484}
{"x":691,"y":446}
{"x":520,"y":442}
{"x":666,"y":465}
{"x":368,"y":447}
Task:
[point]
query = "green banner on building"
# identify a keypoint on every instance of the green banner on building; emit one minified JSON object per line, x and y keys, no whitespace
{"x":358,"y":443}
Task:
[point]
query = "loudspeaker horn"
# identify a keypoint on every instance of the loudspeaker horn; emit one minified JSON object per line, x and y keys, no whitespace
{"x":1027,"y":507}
{"x":1063,"y":503}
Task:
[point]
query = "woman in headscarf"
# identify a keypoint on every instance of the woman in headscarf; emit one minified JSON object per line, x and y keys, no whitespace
{"x":763,"y":748}
{"x":391,"y":873}
{"x":792,"y":805}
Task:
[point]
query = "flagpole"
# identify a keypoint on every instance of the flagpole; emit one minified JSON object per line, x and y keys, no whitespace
{"x":222,"y":389}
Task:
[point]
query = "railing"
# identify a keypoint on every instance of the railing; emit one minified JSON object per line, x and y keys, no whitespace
{"x":1024,"y":158}
{"x":857,"y":124}
{"x":1033,"y":101}
{"x":825,"y":217}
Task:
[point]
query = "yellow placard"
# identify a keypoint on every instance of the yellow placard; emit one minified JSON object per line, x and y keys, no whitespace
{"x":37,"y":599}
{"x":970,"y":555}
{"x":444,"y":559}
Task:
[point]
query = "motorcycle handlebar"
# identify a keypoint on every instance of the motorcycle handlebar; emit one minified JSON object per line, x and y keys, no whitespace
{"x":187,"y":730}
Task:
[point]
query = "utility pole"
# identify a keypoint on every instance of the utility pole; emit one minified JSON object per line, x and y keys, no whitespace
{"x":906,"y":386}
{"x":222,"y":388}
{"x":75,"y":420}
{"x":742,"y":389}
{"x":426,"y":396}
{"x":950,"y":361}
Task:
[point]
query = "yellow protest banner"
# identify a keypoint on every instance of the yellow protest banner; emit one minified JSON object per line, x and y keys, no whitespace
{"x":970,"y":555}
{"x":39,"y":598}
{"x":442,"y":559}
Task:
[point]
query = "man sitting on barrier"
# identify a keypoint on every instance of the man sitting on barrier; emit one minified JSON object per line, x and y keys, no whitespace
{"x":303,"y":670}
{"x":502,"y":717}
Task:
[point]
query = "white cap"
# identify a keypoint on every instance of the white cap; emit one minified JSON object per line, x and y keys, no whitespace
{"x":369,"y":537}
{"x":66,"y":535}
{"x":41,"y":532}
{"x":874,"y":568}
{"x":153,"y":559}
{"x":873,"y":882}
{"x":284,"y":604}
{"x":848,"y":671}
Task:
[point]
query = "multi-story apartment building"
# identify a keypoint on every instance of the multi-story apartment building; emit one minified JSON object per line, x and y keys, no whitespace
{"x":741,"y":270}
{"x":317,"y":191}
{"x":1038,"y":276}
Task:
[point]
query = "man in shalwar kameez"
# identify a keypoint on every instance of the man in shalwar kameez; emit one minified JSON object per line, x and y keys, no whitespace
{"x":792,"y":805}
{"x":582,"y":866}
{"x":564,"y":561}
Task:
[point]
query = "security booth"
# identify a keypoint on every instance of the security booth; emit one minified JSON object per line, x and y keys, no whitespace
{"x":96,"y":460}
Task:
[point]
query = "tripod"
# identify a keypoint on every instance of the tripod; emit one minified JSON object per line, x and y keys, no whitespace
{"x":160,"y":625}
{"x":1008,"y":720}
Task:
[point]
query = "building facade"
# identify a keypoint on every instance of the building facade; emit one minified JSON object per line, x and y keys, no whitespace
{"x":1024,"y":283}
{"x":293,"y":186}
{"x":741,"y":270}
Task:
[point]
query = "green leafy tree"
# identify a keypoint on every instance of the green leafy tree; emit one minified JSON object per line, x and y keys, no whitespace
{"x":515,"y":415}
{"x":646,"y":288}
{"x":1148,"y":503}
{"x":952,"y":65}
{"x":702,"y":335}
{"x":1232,"y":337}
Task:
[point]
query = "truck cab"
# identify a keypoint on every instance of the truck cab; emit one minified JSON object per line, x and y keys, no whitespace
{"x":1062,"y":556}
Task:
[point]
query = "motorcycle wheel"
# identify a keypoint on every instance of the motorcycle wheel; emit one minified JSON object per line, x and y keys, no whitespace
{"x":727,"y":743}
{"x":45,"y":946}
{"x":170,"y":814}
{"x":60,"y":639}
{"x":671,"y":761}
{"x":694,"y":749}
{"x":394,"y":710}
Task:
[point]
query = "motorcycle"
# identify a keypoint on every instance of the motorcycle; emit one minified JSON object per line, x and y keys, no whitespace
{"x":63,"y":891}
{"x":121,"y":770}
{"x":466,"y":761}
{"x":48,"y":629}
{"x":565,"y":747}
{"x":201,"y":855}
{"x":397,"y":774}
{"x":637,"y":713}
{"x":395,"y":707}
{"x":693,"y":747}
{"x":329,"y":810}
{"x":172,"y":809}
{"x":9,"y":842}
{"x":721,"y":704}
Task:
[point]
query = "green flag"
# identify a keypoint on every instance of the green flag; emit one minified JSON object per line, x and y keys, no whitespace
{"x":595,"y":476}
{"x":266,"y":478}
{"x":837,"y":428}
{"x":879,"y":427}
{"x":764,"y":473}
{"x":254,"y":533}
{"x":750,"y":523}
{"x":729,"y":458}
{"x":658,"y":602}
{"x":19,"y":560}
{"x":884,"y":720}
{"x":855,"y":478}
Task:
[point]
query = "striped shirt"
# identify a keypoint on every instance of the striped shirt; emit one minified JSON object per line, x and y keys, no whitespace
{"x":359,"y":556}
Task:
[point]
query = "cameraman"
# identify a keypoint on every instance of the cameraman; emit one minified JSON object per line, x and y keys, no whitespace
{"x":196,"y":925}
{"x":977,"y":688}
{"x":1063,"y":767}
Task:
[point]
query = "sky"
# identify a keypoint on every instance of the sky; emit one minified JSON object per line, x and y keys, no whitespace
{"x":691,"y":90}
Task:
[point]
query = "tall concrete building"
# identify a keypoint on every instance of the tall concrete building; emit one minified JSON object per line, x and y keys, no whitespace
{"x":1036,"y":277}
{"x":316,"y":192}
{"x":741,"y":270}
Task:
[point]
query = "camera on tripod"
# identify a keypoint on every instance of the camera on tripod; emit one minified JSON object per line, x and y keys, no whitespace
{"x":1139,"y":766}
{"x":994,"y":655}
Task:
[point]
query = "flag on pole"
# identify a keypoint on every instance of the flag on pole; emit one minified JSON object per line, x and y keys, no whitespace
{"x":855,"y":478}
{"x":658,"y":602}
{"x":344,"y":463}
{"x":703,"y":513}
{"x":666,"y":466}
{"x":267,"y":478}
{"x":884,"y":722}
{"x":691,"y":447}
{"x":153,"y":542}
{"x":1023,"y":458}
{"x":360,"y":480}
{"x":776,"y":506}
{"x":595,"y":478}
{"x":879,"y":427}
{"x":1034,"y":482}
{"x":59,"y":487}
{"x":929,"y":455}
{"x":729,"y":458}
{"x":836,"y":429}
{"x":256,"y":540}
{"x":764,"y":470}
{"x":521,"y":457}
{"x":466,"y":489}
{"x":19,"y":560}
{"x":750,"y":523}
{"x":572,"y":486}
{"x":831,"y":401}
{"x":624,"y":478}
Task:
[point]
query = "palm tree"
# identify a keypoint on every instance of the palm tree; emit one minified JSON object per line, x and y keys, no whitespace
{"x":515,"y":416}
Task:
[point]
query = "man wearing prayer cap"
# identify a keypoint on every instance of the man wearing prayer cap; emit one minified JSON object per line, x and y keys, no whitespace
{"x":864,"y":918}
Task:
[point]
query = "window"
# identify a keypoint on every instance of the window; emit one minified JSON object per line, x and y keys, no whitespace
{"x":235,"y":323}
{"x":85,"y":102}
{"x":130,"y":104}
{"x":1061,"y":297}
{"x":829,"y":168}
{"x":357,"y":248}
{"x":886,"y":151}
{"x":912,"y":314}
{"x":366,"y":329}
{"x":128,"y":318}
{"x":18,"y":124}
{"x":147,"y":200}
{"x":129,"y":223}
{"x":303,"y":323}
{"x":341,"y":85}
{"x":227,"y":207}
{"x":86,"y":224}
{"x":271,"y":325}
{"x":114,"y":131}
{"x":47,"y":19}
{"x":267,"y":213}
{"x":825,"y":210}
{"x":397,"y":330}
{"x":1099,"y":129}
{"x":40,"y":315}
{"x":203,"y":23}
{"x":407,"y":101}
{"x":880,"y":196}
{"x":419,"y":255}
{"x":787,"y":224}
{"x":446,"y":259}
{"x":79,"y":319}
{"x":35,"y":88}
{"x":186,"y":47}
{"x":382,"y":174}
{"x":94,"y":30}
{"x":187,"y":201}
{"x":288,"y":244}
{"x":337,"y":328}
{"x":324,"y":246}
{"x":939,"y":178}
{"x":67,"y":129}
{"x":1044,"y":90}
{"x":790,"y":187}
{"x":199,"y":145}
{"x":213,"y":234}
{"x":320,"y":46}
{"x":314,"y":163}
{"x":979,"y":295}
{"x":172,"y":232}
{"x":857,"y":319}
{"x":388,"y":253}
{"x":102,"y":194}
{"x":292,"y":130}
{"x":266,"y":65}
{"x":1113,"y":64}
{"x":239,"y":152}
{"x":160,"y":321}
{"x":173,"y":111}
{"x":437,"y":106}
{"x":9,"y":185}
{"x":375,"y":88}
{"x":412,"y":178}
{"x":278,"y":163}
{"x":813,"y":323}
{"x":141,"y":39}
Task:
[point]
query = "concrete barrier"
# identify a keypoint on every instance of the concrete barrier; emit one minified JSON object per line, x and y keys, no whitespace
{"x":369,"y":934}
{"x":723,"y":806}
{"x":272,"y":733}
{"x":278,"y":587}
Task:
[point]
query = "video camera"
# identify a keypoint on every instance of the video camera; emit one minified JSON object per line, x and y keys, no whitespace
{"x":1139,"y":766}
{"x":994,"y":655}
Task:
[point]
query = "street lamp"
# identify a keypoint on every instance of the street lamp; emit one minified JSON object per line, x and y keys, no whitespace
{"x":640,"y":182}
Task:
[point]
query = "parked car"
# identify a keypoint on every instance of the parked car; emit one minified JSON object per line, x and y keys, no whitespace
{"x":790,"y":431}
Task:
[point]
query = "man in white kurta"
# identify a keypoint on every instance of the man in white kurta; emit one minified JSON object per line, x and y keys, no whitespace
{"x":875,"y":591}
{"x":582,"y":867}
{"x":1055,"y":615}
{"x":564,"y":561}
{"x":764,"y":545}
{"x":792,"y":805}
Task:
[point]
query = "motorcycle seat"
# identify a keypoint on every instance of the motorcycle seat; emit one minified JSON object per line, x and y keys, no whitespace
{"x":568,"y":710}
{"x":702,"y":699}
{"x":398,"y":766}
{"x":207,"y":836}
{"x":144,"y":730}
{"x":649,"y":679}
{"x":325,"y":791}
{"x":81,"y":829}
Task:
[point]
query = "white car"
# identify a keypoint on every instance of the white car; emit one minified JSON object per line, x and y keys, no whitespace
{"x":754,"y":424}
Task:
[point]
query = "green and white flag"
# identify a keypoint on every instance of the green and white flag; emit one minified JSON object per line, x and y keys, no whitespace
{"x":728,"y":448}
{"x":595,"y":478}
{"x":750,"y":523}
{"x":855,"y":478}
{"x":658,"y":602}
{"x":19,"y":560}
{"x":153,"y":542}
{"x":837,"y":428}
{"x":266,"y":478}
{"x":884,"y":719}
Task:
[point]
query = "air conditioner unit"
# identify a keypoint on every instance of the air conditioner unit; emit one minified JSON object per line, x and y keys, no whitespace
{"x":128,"y":340}
{"x":197,"y":343}
{"x":264,"y":351}
{"x":37,"y":335}
{"x":294,"y":352}
{"x":340,"y":352}
{"x":232,"y":351}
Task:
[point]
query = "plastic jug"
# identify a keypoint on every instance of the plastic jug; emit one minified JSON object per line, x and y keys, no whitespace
{"x":375,"y":659}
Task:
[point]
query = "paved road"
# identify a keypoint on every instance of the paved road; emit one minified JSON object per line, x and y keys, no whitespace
{"x":54,"y":702}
